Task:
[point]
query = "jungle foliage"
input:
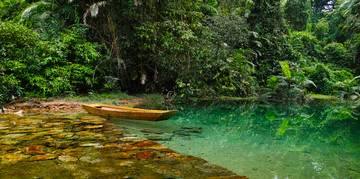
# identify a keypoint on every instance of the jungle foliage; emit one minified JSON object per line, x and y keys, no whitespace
{"x":185,"y":48}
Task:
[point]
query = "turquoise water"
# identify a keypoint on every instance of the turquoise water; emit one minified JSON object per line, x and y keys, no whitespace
{"x":265,"y":141}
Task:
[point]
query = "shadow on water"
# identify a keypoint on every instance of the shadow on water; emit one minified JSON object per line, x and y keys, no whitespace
{"x":267,"y":141}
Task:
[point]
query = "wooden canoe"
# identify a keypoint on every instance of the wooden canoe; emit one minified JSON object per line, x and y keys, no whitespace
{"x":128,"y":113}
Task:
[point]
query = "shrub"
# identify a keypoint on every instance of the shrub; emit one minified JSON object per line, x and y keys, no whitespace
{"x":322,"y":76}
{"x":329,"y":81}
{"x":10,"y":9}
{"x":18,"y":58}
{"x":306,"y":44}
{"x":337,"y":54}
{"x":50,"y":68}
{"x":320,"y":30}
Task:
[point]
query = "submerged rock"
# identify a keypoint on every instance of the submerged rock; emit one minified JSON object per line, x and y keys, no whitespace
{"x":126,"y":163}
{"x":8,"y":141}
{"x":11,"y":158}
{"x":67,"y":158}
{"x":43,"y":157}
{"x":90,"y":159}
{"x":13,"y":135}
{"x":93,"y":127}
{"x":34,"y":149}
{"x":144,"y":155}
{"x":132,"y":139}
{"x":159,"y":137}
{"x":85,"y":133}
{"x":130,"y":135}
{"x":23,"y":131}
{"x":151,"y":131}
{"x":91,"y":145}
{"x":119,"y":155}
{"x":173,"y":155}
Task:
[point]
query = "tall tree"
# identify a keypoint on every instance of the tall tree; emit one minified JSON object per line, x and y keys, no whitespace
{"x":266,"y":19}
{"x":297,"y":13}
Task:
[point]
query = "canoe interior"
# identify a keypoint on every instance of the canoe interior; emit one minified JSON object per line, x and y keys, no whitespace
{"x":129,"y":113}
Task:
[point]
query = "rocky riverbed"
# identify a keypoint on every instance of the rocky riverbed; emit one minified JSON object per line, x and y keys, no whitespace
{"x":78,"y":145}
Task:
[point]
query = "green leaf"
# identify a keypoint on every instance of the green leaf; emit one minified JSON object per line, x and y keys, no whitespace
{"x":213,"y":4}
{"x":272,"y":81}
{"x":270,"y":115}
{"x":283,"y":127}
{"x":285,"y":69}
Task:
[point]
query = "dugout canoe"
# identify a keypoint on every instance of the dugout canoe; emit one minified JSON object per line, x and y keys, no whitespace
{"x":128,"y":113}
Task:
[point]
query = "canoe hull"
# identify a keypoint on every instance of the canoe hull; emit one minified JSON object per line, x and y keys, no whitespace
{"x":128,"y":113}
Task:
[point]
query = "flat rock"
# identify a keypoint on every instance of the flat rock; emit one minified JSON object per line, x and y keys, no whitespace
{"x":11,"y":158}
{"x":4,"y":124}
{"x":144,"y":155}
{"x":90,"y":159}
{"x":119,"y":155}
{"x":67,"y":158}
{"x":93,"y":127}
{"x":172,"y":155}
{"x":43,"y":157}
{"x":85,"y":133}
{"x":13,"y":135}
{"x":34,"y":149}
{"x":29,"y":137}
{"x":23,"y":131}
{"x":3,"y":128}
{"x":8,"y":141}
{"x":132,"y":139}
{"x":126,"y":163}
{"x":91,"y":145}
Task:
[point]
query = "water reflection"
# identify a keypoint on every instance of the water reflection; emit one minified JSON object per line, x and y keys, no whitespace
{"x":268,"y":141}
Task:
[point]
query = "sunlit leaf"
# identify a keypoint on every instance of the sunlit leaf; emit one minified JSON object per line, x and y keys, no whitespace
{"x":270,"y":115}
{"x":285,"y":69}
{"x":283,"y":127}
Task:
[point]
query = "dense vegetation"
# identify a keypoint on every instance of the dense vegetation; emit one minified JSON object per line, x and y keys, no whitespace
{"x":186,"y":48}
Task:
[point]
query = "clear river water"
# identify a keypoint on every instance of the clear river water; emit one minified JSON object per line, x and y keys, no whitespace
{"x":265,"y":141}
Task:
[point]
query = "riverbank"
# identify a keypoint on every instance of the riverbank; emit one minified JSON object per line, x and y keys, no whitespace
{"x":56,"y":139}
{"x":73,"y":103}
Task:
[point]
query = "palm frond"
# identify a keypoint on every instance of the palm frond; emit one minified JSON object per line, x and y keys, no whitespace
{"x":28,"y":11}
{"x":308,"y":82}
